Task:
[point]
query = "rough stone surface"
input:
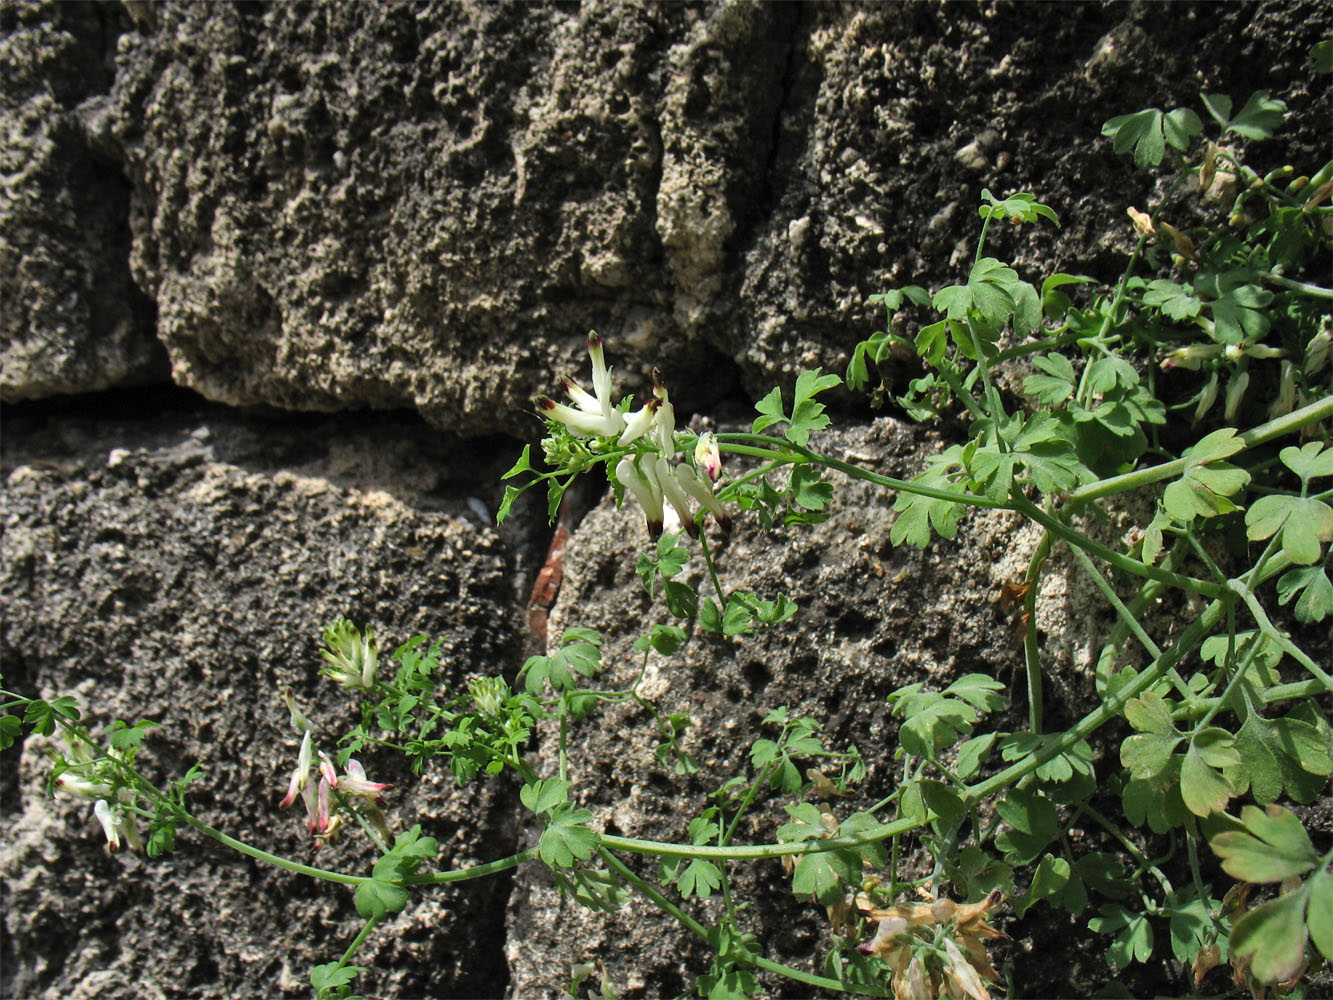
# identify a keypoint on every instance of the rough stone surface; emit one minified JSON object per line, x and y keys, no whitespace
{"x":71,"y":319}
{"x":178,"y":566}
{"x":421,"y":208}
{"x":427,"y":205}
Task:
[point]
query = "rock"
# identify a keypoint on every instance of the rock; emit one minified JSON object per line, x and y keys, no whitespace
{"x":72,"y":320}
{"x":185,"y":578}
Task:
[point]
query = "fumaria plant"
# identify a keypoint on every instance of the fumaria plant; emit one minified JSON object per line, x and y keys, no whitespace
{"x":1225,"y":727}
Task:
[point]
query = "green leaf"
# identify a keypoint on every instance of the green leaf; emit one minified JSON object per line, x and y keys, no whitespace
{"x":544,"y":794}
{"x":1219,"y":106}
{"x":1260,"y":117}
{"x":1319,"y":917}
{"x":1313,"y":460}
{"x":375,"y":898}
{"x":1134,"y":937}
{"x":333,"y":975}
{"x":580,"y":653}
{"x":1056,"y":385}
{"x":1305,"y":524}
{"x":1020,"y":207}
{"x":1033,"y":824}
{"x":700,"y":878}
{"x":917,"y":516}
{"x":978,"y":690}
{"x":806,"y":416}
{"x":567,"y":837}
{"x":1316,"y":601}
{"x":935,"y":726}
{"x":1280,"y":753}
{"x":770,"y":411}
{"x":990,"y":291}
{"x":1174,"y":301}
{"x":972,"y":754}
{"x":11,"y":728}
{"x":874,"y":853}
{"x":1272,"y":938}
{"x":1240,"y":314}
{"x":808,"y":488}
{"x":1321,"y":53}
{"x":1149,"y":131}
{"x":1191,"y":925}
{"x":1050,"y":879}
{"x":1204,"y":789}
{"x":1273,"y":846}
{"x":667,"y":560}
{"x":1146,"y":755}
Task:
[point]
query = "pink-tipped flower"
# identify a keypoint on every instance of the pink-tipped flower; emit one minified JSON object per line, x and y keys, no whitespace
{"x":585,"y":424}
{"x":354,"y":782}
{"x":645,"y":491}
{"x":707,"y":456}
{"x":305,"y":760}
{"x":326,"y":769}
{"x":321,"y":822}
{"x":583,"y":399}
{"x":699,"y":489}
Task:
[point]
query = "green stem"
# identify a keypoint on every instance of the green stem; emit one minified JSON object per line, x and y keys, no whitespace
{"x":476,"y":871}
{"x":1304,"y":288}
{"x":1261,"y":617}
{"x":1312,"y":413}
{"x":357,"y":942}
{"x":856,"y":472}
{"x":1031,"y":654}
{"x":1131,"y":622}
{"x":712,"y":570}
{"x":272,"y":859}
{"x":1120,"y":561}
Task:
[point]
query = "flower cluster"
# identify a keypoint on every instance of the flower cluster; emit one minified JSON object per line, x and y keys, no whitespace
{"x":350,"y":658}
{"x":323,"y":798}
{"x":85,"y":778}
{"x":935,"y":949}
{"x":650,"y":473}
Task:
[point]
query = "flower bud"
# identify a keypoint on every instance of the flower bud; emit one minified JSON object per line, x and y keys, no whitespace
{"x":1142,"y":221}
{"x":1207,"y":396}
{"x":707,"y":457}
{"x":1235,"y":393}
{"x":1285,"y":400}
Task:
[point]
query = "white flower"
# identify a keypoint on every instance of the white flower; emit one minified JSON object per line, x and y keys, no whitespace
{"x":305,"y":760}
{"x":639,"y":423}
{"x":702,"y":491}
{"x":117,"y":823}
{"x":645,"y":490}
{"x":676,"y":496}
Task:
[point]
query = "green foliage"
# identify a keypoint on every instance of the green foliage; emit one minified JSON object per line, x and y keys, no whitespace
{"x":384,"y":892}
{"x":937,"y":719}
{"x":1271,"y":845}
{"x":806,"y":414}
{"x":579,"y":655}
{"x":1149,"y":132}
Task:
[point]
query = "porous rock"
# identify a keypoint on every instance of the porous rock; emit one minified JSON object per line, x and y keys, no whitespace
{"x":180,"y":568}
{"x":71,"y":319}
